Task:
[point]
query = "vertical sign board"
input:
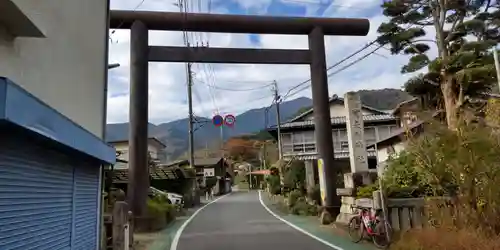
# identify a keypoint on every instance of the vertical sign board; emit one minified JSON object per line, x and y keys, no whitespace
{"x":355,"y":133}
{"x":322,"y":181}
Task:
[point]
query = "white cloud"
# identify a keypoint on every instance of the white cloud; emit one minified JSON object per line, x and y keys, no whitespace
{"x":167,"y":81}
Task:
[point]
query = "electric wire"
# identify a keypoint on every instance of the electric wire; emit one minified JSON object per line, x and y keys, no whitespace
{"x":123,"y":21}
{"x":241,"y":90}
{"x":289,"y":92}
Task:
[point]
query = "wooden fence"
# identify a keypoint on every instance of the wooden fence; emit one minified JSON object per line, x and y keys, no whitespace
{"x":402,"y":213}
{"x":405,"y":214}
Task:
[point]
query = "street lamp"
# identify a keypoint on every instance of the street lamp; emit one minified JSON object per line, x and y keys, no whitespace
{"x":113,"y":65}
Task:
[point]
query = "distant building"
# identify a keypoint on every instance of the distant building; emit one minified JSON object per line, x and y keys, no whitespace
{"x":155,"y":147}
{"x":217,"y":171}
{"x":299,"y":141}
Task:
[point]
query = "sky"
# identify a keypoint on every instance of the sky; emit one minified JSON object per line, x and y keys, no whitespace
{"x":236,"y":88}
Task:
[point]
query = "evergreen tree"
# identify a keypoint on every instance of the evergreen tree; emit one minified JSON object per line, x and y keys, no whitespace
{"x":466,"y":31}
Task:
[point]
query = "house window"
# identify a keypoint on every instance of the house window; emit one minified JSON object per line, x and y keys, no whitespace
{"x":303,"y":141}
{"x":383,"y":131}
{"x":308,"y":136}
{"x":298,"y":148}
{"x":309,"y":147}
{"x":298,"y":138}
{"x":344,"y":146}
{"x":342,"y":135}
{"x":286,"y":138}
{"x":286,"y":142}
{"x":309,"y":142}
{"x":369,"y":133}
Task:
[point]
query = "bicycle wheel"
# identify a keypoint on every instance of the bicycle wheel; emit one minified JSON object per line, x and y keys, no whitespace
{"x":356,"y":229}
{"x":383,"y":234}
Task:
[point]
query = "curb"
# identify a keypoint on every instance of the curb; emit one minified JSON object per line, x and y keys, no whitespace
{"x":322,"y":235}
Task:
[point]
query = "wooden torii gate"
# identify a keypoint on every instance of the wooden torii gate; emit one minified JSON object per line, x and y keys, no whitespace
{"x":140,"y":22}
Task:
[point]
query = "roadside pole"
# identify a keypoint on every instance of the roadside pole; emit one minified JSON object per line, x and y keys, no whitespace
{"x":278,"y":119}
{"x":497,"y":64}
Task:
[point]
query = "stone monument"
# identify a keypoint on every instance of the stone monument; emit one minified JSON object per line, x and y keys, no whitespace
{"x":360,"y":174}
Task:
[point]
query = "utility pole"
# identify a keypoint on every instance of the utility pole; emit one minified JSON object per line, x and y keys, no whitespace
{"x":278,"y":119}
{"x":264,"y":155}
{"x":190,"y":107}
{"x":190,"y":129}
{"x":497,"y":65}
{"x":222,"y":141}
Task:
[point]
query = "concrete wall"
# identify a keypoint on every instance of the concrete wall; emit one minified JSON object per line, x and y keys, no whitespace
{"x":68,"y":68}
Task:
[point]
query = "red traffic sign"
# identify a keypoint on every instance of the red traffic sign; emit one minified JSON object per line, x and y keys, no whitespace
{"x":217,"y":120}
{"x":229,"y":120}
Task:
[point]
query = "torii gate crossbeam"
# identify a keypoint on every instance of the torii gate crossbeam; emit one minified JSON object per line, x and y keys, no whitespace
{"x":139,"y":22}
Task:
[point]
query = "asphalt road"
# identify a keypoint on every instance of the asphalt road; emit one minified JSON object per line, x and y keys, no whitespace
{"x":240,"y":222}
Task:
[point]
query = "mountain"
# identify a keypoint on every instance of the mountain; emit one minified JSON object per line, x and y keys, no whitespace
{"x":175,"y":133}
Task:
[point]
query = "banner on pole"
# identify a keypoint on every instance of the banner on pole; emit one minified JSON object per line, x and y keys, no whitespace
{"x":322,"y":181}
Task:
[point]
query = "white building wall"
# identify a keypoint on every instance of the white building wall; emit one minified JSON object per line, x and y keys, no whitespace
{"x":383,"y":153}
{"x":68,"y":68}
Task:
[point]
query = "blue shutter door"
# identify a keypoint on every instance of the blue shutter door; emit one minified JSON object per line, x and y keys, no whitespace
{"x":35,"y":197}
{"x":86,"y":195}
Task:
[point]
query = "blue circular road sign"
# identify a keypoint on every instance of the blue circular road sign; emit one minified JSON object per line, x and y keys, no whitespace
{"x":218,"y":120}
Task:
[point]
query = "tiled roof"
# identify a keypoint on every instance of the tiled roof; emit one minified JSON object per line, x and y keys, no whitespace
{"x":333,"y":99}
{"x":159,"y":173}
{"x":206,"y":161}
{"x":338,"y":155}
{"x":339,"y":120}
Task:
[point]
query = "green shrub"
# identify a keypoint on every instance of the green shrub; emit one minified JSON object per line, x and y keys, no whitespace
{"x":367,"y":191}
{"x":161,"y":209}
{"x":301,"y":207}
{"x":293,"y":197}
{"x":462,"y":164}
{"x":295,"y":175}
{"x":316,"y":194}
{"x":274,"y":184}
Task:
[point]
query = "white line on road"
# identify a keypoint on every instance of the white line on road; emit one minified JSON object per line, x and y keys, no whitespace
{"x":294,"y":226}
{"x":178,"y":234}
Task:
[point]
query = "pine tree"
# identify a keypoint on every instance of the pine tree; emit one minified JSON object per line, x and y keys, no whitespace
{"x":466,"y":31}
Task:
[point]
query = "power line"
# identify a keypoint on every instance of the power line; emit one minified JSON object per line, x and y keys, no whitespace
{"x":340,"y":70}
{"x":238,"y":90}
{"x":339,"y":62}
{"x":332,"y":66}
{"x":247,"y":101}
{"x":122,"y":22}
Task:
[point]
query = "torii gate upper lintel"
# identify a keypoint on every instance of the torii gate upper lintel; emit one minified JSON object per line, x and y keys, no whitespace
{"x":139,"y":22}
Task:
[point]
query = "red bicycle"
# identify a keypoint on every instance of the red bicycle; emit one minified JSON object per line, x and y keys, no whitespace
{"x":371,"y":225}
